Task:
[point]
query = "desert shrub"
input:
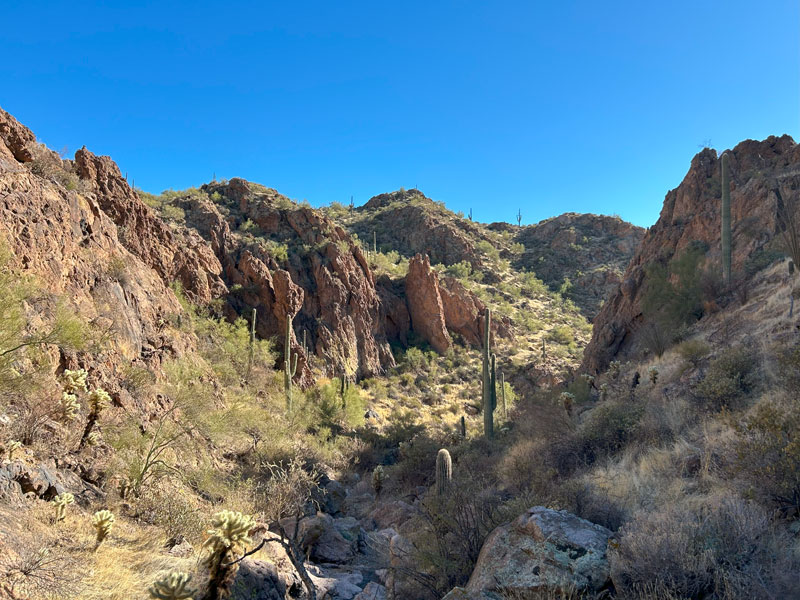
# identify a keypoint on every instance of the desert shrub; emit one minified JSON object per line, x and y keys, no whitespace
{"x":724,"y":549}
{"x":693,"y":351}
{"x":768,"y":454}
{"x":606,"y":431}
{"x":788,"y":361}
{"x":460,"y":270}
{"x":731,"y":375}
{"x":172,"y":511}
{"x":673,"y":295}
{"x":334,"y":409}
{"x":458,"y":524}
{"x":485,"y":247}
{"x":561,"y":334}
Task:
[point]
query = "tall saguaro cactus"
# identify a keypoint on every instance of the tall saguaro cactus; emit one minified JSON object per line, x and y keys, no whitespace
{"x":251,"y":349}
{"x":488,"y":406}
{"x":726,"y":221}
{"x":289,"y":369}
{"x":444,"y":471}
{"x":503,"y":391}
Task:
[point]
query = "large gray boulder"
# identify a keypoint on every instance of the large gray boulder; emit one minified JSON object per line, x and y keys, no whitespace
{"x":543,"y":550}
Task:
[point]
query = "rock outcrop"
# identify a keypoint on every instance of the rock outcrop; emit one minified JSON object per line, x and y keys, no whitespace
{"x":592,"y":251}
{"x":410,"y":223}
{"x":544,"y":551}
{"x":765,"y":177}
{"x":425,"y":304}
{"x":57,"y":229}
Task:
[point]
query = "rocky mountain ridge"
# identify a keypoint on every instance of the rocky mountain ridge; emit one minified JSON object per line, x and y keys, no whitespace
{"x":765,"y":178}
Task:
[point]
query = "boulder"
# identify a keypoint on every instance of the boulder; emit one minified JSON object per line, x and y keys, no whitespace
{"x":261,"y":580}
{"x":543,"y":550}
{"x":373,"y":591}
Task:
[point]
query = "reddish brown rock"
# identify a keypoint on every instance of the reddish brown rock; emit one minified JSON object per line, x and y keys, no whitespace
{"x":16,"y":140}
{"x":179,"y":256}
{"x":425,"y":303}
{"x":763,"y":175}
{"x":463,"y":311}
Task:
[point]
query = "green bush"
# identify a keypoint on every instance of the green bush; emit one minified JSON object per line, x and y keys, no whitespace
{"x":693,"y":351}
{"x":459,"y":270}
{"x":561,"y":334}
{"x":731,"y":375}
{"x":768,"y":455}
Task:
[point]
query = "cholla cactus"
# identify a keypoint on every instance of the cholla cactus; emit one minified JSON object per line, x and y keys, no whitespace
{"x":103,"y":522}
{"x":172,"y":587}
{"x":98,"y":400}
{"x":567,"y":400}
{"x":230,"y":530}
{"x":69,"y":406}
{"x":378,"y":475}
{"x":614,"y":368}
{"x":61,"y":502}
{"x":11,"y":447}
{"x":589,"y":379}
{"x":603,"y":391}
{"x":93,"y":439}
{"x":75,"y":381}
{"x":653,"y":373}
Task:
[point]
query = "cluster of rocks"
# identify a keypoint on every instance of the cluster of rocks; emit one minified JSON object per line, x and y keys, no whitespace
{"x":360,"y":548}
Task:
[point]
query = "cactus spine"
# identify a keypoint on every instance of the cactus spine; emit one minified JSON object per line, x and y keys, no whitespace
{"x":289,"y":369}
{"x":172,"y":587}
{"x":98,"y":400}
{"x":488,"y":407}
{"x":444,"y":472}
{"x":726,"y":221}
{"x":103,"y":522}
{"x":61,"y":502}
{"x":230,"y":533}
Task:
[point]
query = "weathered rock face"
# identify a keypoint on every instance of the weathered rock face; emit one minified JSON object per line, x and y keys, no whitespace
{"x":175,"y":256}
{"x":425,"y":303}
{"x":543,"y":550}
{"x":410,"y":223}
{"x":592,"y":251}
{"x":67,"y":240}
{"x":764,"y":176}
{"x":324,"y":283}
{"x":440,"y":307}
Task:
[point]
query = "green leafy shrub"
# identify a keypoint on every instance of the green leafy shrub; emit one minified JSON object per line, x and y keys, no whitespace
{"x":731,"y":375}
{"x":561,"y":334}
{"x":768,"y":454}
{"x":693,"y":351}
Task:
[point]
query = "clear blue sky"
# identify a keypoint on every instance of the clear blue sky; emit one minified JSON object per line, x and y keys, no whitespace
{"x":545,"y":106}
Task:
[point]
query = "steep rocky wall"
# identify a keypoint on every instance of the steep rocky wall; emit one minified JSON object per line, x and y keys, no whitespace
{"x":71,"y":245}
{"x":764,"y":175}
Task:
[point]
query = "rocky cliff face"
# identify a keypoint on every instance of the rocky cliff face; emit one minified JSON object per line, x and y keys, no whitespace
{"x":322,"y":280}
{"x":410,"y":223}
{"x":591,"y":251}
{"x":765,"y":177}
{"x":72,"y":239}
